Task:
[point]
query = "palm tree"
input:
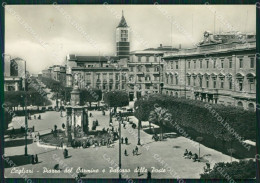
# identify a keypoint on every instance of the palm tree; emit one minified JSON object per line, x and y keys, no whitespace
{"x":160,"y":116}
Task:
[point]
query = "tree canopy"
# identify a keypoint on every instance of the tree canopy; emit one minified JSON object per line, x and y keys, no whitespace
{"x":90,"y":95}
{"x":116,"y":98}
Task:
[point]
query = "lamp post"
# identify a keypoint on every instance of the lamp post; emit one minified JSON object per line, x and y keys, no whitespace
{"x":25,"y":105}
{"x":119,"y":121}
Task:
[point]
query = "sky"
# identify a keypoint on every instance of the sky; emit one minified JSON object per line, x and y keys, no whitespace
{"x":44,"y":34}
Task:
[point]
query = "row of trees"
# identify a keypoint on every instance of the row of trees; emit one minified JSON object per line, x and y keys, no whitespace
{"x":194,"y":115}
{"x":87,"y":95}
{"x":199,"y":122}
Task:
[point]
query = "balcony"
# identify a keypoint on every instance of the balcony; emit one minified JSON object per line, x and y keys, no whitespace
{"x":98,"y":81}
{"x":140,"y":73}
{"x":206,"y":90}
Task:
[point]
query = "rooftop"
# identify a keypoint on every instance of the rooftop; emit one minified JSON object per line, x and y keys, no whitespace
{"x":91,"y":58}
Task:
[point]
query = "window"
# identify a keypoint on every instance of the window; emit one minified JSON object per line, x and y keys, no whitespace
{"x":123,"y":86}
{"x":98,"y":76}
{"x":240,"y":85}
{"x":240,"y":63}
{"x":207,"y":82}
{"x":214,"y":83}
{"x":104,"y":87}
{"x":207,"y":64}
{"x":147,"y":69}
{"x":147,"y":78}
{"x":189,"y":64}
{"x":230,"y":63}
{"x":251,"y":83}
{"x":194,"y":82}
{"x":171,"y":65}
{"x":117,"y":86}
{"x":139,"y":58}
{"x":194,"y":64}
{"x":176,"y":80}
{"x":230,"y":84}
{"x":252,"y":62}
{"x":155,"y":59}
{"x":177,"y":66}
{"x":171,"y":79}
{"x":117,"y":77}
{"x":188,"y":81}
{"x":200,"y":82}
{"x":147,"y":58}
{"x":200,"y":63}
{"x":222,"y":63}
{"x":147,"y":86}
{"x":222,"y":83}
{"x":214,"y":63}
{"x":139,"y":78}
{"x":139,"y":68}
{"x":167,"y":79}
{"x":131,"y":69}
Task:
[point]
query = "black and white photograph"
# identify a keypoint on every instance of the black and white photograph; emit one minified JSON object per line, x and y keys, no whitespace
{"x":127,"y":91}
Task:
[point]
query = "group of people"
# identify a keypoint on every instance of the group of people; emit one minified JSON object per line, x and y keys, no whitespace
{"x":126,"y":140}
{"x":135,"y":151}
{"x":189,"y":155}
{"x":34,"y":159}
{"x":29,"y":117}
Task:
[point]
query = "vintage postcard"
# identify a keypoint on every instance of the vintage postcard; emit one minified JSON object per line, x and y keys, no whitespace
{"x":130,"y":92}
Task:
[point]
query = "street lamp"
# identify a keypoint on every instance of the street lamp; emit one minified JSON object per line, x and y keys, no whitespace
{"x":25,"y":105}
{"x":119,"y":122}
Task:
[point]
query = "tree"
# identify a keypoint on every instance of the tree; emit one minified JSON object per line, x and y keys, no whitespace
{"x":244,"y":169}
{"x":116,"y":99}
{"x":160,"y":116}
{"x":90,"y":95}
{"x":142,"y":111}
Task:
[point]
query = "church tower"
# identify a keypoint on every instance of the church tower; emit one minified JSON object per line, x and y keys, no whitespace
{"x":122,"y":39}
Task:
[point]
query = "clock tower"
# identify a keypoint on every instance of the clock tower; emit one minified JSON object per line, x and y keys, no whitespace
{"x":122,"y":39}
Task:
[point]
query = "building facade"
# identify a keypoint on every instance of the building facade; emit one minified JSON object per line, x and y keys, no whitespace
{"x":96,"y":72}
{"x":145,"y":71}
{"x":14,"y":70}
{"x":220,"y":70}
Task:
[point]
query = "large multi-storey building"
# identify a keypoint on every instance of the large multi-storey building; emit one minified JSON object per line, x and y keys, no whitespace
{"x":145,"y":71}
{"x":220,"y":70}
{"x":13,"y":73}
{"x":96,"y":72}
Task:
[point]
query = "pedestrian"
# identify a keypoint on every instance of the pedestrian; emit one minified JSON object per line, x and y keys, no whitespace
{"x":122,"y":140}
{"x":136,"y":150}
{"x":125,"y":152}
{"x":133,"y":152}
{"x":138,"y":171}
{"x":149,"y":175}
{"x":126,"y":140}
{"x":34,"y":116}
{"x":36,"y":158}
{"x":124,"y":125}
{"x":32,"y":159}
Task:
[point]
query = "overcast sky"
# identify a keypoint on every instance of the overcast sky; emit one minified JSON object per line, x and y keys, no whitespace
{"x":150,"y":26}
